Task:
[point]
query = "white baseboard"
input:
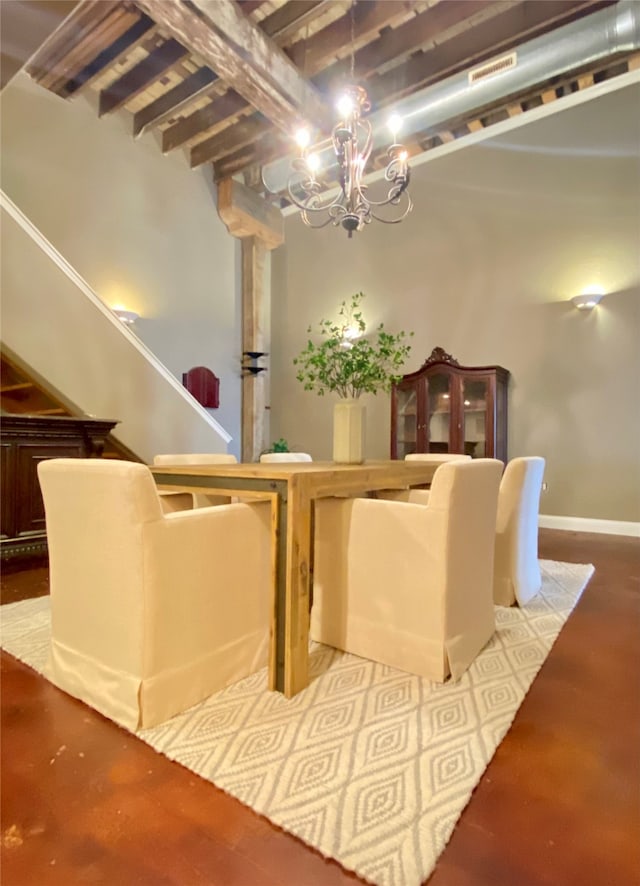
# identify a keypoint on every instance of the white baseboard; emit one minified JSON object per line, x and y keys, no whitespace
{"x":587,"y":524}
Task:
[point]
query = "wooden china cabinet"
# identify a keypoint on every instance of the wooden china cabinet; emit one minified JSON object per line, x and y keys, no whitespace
{"x":445,"y":407}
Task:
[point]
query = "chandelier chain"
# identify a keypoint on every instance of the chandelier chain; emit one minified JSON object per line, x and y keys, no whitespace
{"x":353,"y":39}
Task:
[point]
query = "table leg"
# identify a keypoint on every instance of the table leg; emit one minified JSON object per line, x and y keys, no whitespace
{"x":299,"y":541}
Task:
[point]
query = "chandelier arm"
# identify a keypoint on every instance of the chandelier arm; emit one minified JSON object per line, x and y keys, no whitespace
{"x":361,"y":155}
{"x":394,"y":221}
{"x":312,"y":200}
{"x":365,"y":152}
{"x":393,"y":198}
{"x":308,"y":203}
{"x":318,"y":223}
{"x":335,"y":214}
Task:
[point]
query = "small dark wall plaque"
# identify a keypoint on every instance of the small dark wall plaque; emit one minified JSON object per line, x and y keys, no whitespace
{"x":203,"y":385}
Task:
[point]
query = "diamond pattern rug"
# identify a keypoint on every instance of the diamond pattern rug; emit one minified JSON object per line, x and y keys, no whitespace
{"x":369,"y":765}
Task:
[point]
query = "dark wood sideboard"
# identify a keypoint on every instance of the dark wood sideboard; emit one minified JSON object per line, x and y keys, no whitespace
{"x":25,"y":440}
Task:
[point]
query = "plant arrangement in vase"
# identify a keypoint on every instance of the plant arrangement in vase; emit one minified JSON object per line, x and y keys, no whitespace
{"x":348,"y":363}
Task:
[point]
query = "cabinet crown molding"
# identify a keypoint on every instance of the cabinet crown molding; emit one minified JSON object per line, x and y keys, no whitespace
{"x":439,"y":355}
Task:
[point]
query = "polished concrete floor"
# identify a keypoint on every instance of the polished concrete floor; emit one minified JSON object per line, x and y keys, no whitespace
{"x":83,"y":802}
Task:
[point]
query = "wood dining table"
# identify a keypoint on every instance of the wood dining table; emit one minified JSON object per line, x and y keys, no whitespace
{"x":292,"y":489}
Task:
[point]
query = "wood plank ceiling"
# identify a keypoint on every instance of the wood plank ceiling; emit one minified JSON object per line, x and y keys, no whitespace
{"x":228,"y":82}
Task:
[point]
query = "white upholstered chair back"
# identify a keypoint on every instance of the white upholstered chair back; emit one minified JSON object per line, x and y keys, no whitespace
{"x":410,"y":585}
{"x":272,"y":457}
{"x":150,"y":612}
{"x":517,"y":575}
{"x":421,"y":496}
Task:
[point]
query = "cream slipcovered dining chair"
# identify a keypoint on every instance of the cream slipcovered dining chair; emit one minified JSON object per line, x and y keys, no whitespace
{"x":421,"y":496}
{"x":273,"y":457}
{"x":410,"y":585}
{"x":197,"y":499}
{"x":517,"y":575}
{"x":150,"y":613}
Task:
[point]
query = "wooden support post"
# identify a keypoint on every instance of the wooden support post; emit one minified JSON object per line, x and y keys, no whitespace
{"x":260,"y":227}
{"x":253,"y":339}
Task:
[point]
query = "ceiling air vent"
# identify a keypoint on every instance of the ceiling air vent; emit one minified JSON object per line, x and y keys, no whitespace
{"x":495,"y":66}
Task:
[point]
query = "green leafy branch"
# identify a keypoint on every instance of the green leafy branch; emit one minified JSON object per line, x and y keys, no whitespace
{"x":348,"y":365}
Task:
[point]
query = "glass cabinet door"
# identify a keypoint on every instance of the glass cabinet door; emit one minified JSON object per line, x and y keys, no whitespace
{"x":406,"y":421}
{"x":475,"y":397}
{"x":439,"y":412}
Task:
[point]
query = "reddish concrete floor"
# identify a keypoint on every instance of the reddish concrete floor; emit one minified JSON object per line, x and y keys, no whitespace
{"x":85,"y":802}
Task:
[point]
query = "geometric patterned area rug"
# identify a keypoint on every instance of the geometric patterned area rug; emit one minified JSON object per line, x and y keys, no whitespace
{"x":370,"y":765}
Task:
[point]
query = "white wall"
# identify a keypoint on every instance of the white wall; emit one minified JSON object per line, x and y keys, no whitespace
{"x":70,"y":340}
{"x":502,"y":235}
{"x":141,"y":228}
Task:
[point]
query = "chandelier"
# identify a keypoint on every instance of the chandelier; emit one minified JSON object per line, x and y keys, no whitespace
{"x":352,"y":141}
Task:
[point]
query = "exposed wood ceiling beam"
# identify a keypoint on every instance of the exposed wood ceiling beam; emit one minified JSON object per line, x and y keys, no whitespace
{"x":289,"y":19}
{"x":142,"y":75}
{"x":417,"y":31}
{"x":234,"y":93}
{"x":92,"y":39}
{"x":24,"y":27}
{"x":239,"y":52}
{"x":171,"y":102}
{"x":334,"y":41}
{"x":74,"y":43}
{"x":229,"y":139}
{"x":246,"y":214}
{"x":513,"y":25}
{"x":111,"y":55}
{"x":488,"y":38}
{"x":246,"y":132}
{"x":249,"y":6}
{"x":270,"y":148}
{"x":210,"y":119}
{"x":436,"y":22}
{"x":280,"y":25}
{"x":322,"y":47}
{"x":435,"y":25}
{"x":206,"y":120}
{"x":115,"y":24}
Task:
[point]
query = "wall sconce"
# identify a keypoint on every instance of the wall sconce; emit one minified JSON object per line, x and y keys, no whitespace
{"x":350,"y":334}
{"x":587,"y":300}
{"x":127,"y":317}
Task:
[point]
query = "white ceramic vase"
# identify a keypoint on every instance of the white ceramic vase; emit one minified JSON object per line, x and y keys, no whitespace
{"x":349,"y":431}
